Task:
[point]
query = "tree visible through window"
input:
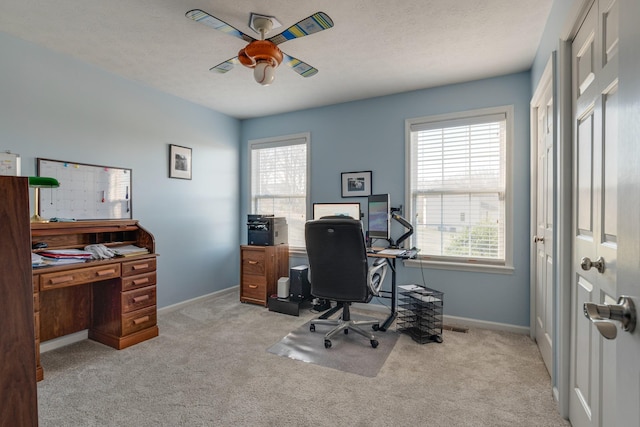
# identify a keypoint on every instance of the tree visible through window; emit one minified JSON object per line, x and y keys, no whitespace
{"x":279,"y":181}
{"x":458,"y":185}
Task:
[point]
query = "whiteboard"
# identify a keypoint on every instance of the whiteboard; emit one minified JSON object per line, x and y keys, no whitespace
{"x":85,"y":192}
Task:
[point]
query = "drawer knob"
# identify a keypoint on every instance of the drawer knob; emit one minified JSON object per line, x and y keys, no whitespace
{"x":253,"y":286}
{"x":102,"y":273}
{"x":140,"y":320}
{"x":60,"y":279}
{"x":141,"y":298}
{"x":253,"y":262}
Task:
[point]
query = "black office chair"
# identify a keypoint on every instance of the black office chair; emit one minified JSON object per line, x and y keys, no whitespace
{"x":339,"y":271}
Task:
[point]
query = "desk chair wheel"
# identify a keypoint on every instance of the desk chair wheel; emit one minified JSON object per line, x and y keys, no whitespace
{"x":374,"y":343}
{"x":376,"y":327}
{"x":327,"y":343}
{"x":312,"y":327}
{"x":346,"y":331}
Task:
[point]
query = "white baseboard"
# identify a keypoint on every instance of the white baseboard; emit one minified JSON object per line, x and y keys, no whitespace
{"x":484,"y":324}
{"x":179,"y":305}
{"x":457,"y":321}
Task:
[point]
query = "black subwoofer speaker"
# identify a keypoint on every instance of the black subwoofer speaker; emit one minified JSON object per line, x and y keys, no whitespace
{"x":299,"y":286}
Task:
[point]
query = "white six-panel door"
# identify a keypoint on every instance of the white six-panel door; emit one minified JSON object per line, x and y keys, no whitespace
{"x":543,"y":137}
{"x":595,"y":121}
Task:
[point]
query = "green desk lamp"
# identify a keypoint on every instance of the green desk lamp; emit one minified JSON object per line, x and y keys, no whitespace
{"x":38,"y":182}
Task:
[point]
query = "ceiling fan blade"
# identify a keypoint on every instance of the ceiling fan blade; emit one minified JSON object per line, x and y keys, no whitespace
{"x":225,"y":66}
{"x":300,"y":67}
{"x":211,"y":21}
{"x":317,"y":22}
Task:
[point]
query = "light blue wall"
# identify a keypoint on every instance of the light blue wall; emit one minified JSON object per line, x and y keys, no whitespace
{"x":52,"y":106}
{"x":549,"y":42}
{"x":369,"y":135}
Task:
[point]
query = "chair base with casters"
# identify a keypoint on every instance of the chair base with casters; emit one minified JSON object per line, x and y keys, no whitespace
{"x":344,"y":323}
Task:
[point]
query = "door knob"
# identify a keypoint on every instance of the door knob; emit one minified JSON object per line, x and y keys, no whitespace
{"x":603,"y":315}
{"x":537,"y":239}
{"x":587,"y":264}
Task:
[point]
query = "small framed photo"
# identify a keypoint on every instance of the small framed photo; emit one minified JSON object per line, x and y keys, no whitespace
{"x":356,"y":184}
{"x":179,"y":162}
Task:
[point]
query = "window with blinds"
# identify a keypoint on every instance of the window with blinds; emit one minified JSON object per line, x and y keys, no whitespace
{"x":458,"y":179}
{"x":279,"y":181}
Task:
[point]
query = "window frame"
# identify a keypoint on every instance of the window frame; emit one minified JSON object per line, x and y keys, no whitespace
{"x":466,"y":263}
{"x":281,"y":141}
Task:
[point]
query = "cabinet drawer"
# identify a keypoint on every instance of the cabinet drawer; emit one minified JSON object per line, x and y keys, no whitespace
{"x":133,"y":282}
{"x":130,"y":268}
{"x":254,"y":287}
{"x":78,"y":276}
{"x":253,"y":263}
{"x":139,"y":298}
{"x":138,"y":320}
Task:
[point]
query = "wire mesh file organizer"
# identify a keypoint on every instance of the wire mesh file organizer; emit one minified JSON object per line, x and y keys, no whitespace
{"x":420,"y":313}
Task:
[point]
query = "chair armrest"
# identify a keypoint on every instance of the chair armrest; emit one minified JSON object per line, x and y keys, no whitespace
{"x":377,"y":272}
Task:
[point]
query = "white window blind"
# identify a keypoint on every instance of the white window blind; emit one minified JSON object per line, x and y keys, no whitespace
{"x":279,"y":181}
{"x":458,"y":183}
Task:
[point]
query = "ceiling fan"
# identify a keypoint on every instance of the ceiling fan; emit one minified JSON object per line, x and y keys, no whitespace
{"x":264,"y":55}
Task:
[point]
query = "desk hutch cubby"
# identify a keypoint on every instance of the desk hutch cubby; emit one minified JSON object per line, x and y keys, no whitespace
{"x":115,"y":299}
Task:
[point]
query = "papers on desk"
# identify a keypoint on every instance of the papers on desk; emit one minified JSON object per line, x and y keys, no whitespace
{"x":41,"y":261}
{"x":394,"y":252}
{"x":66,"y":254}
{"x":129,"y":250}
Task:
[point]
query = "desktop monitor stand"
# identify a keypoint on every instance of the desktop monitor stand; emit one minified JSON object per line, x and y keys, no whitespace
{"x":406,"y":224}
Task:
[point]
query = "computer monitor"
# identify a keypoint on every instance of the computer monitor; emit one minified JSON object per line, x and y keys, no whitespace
{"x":379,"y":216}
{"x":336,"y":209}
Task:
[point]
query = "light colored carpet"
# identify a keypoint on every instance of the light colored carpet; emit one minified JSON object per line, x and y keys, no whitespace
{"x":349,"y":353}
{"x":210,"y":367}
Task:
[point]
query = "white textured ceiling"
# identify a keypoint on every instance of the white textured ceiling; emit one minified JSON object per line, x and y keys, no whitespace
{"x":376,"y":47}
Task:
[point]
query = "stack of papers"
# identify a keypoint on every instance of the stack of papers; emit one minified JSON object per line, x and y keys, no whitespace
{"x":44,"y":261}
{"x":396,"y":252}
{"x":66,"y":254}
{"x":129,"y":250}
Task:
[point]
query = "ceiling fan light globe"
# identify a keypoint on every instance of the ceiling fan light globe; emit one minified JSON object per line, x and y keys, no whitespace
{"x":264,"y":73}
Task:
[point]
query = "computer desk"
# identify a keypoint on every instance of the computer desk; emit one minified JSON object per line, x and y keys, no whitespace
{"x":392,"y":294}
{"x":391,"y":261}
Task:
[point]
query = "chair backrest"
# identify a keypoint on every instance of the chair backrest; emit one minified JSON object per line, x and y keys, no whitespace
{"x":337,"y":259}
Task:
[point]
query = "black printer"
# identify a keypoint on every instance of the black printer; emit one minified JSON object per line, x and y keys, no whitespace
{"x":267,"y":230}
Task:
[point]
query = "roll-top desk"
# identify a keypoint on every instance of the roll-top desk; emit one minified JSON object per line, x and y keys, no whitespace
{"x":114,"y":299}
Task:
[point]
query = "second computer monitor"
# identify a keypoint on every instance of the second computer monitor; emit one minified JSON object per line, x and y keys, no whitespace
{"x":379,"y":216}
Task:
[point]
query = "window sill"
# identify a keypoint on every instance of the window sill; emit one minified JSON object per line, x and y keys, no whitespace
{"x":459,"y":266}
{"x":297,"y":252}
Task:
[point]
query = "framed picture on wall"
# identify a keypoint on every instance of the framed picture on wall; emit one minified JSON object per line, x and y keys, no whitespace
{"x":356,"y":184}
{"x":179,"y":162}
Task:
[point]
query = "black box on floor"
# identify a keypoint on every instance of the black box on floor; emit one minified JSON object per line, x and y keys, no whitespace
{"x":285,"y":305}
{"x":299,"y":286}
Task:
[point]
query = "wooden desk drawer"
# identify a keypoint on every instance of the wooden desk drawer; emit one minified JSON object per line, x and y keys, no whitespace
{"x":139,"y":298}
{"x":138,"y":320}
{"x":130,"y":268}
{"x":78,"y":276}
{"x":253,"y":263}
{"x":254,"y":287}
{"x":134,"y":282}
